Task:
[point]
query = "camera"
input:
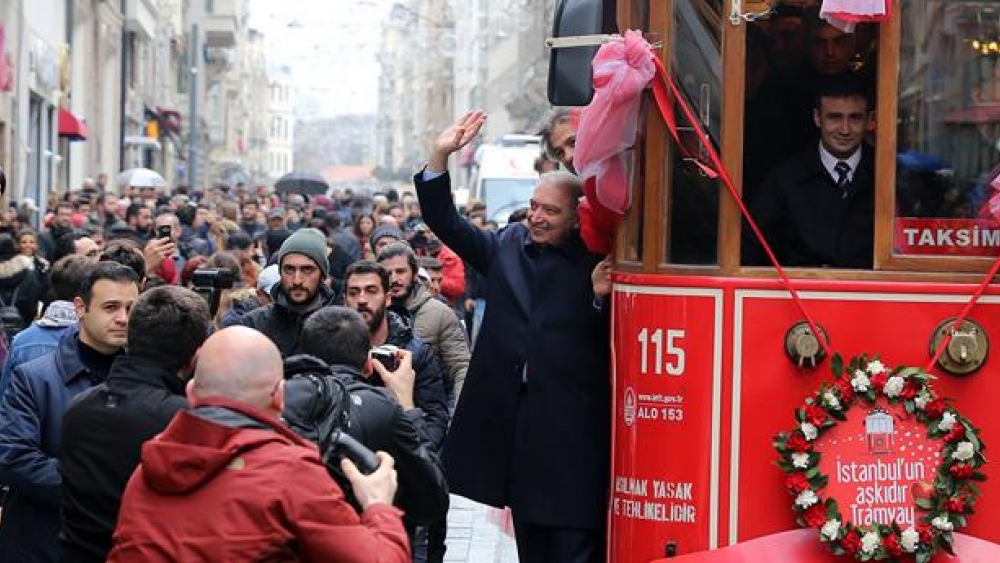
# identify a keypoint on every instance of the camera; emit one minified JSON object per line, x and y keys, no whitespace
{"x":209,"y":283}
{"x":164,"y":231}
{"x":386,"y":355}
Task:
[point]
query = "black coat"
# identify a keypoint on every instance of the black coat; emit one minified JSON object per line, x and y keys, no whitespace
{"x":103,"y":432}
{"x":542,"y":447}
{"x":806,"y":219}
{"x":430,"y":392}
{"x":378,"y":422}
{"x":279,"y":322}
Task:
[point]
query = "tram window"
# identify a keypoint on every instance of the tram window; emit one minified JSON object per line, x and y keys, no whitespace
{"x":791,"y":57}
{"x":697,"y":65}
{"x":948,"y":128}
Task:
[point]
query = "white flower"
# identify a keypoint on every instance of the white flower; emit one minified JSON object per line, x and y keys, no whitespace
{"x":800,"y":460}
{"x":870,"y":542}
{"x":964,"y":451}
{"x":894,"y":386}
{"x":831,"y":400}
{"x":909,"y":539}
{"x":806,"y":498}
{"x":948,"y":421}
{"x":921,"y":401}
{"x":860,"y":382}
{"x":809,"y":431}
{"x":830,"y":530}
{"x":875,"y":367}
{"x":942,"y":523}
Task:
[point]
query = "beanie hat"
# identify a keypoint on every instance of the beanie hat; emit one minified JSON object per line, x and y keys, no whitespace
{"x":308,"y":242}
{"x":384,"y":230}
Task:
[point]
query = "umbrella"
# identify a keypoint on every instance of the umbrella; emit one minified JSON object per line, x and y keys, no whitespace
{"x":141,"y":178}
{"x":302,"y":183}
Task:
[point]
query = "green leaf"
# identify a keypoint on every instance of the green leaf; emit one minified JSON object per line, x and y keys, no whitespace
{"x":908,"y":372}
{"x":925,"y":504}
{"x":923,"y":556}
{"x":945,"y":540}
{"x":837,"y":365}
{"x":832,"y":510}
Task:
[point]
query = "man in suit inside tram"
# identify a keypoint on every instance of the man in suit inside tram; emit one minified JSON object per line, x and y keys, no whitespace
{"x":817,"y":208}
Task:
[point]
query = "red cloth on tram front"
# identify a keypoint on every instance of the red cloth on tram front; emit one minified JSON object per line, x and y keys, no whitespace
{"x":803,"y":546}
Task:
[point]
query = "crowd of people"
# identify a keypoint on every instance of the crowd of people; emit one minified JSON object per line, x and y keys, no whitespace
{"x":140,"y":397}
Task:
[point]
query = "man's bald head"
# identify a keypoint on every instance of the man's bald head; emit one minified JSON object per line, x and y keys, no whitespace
{"x":241,"y":364}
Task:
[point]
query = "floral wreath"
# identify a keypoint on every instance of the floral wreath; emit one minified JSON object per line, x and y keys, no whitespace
{"x":954,"y":493}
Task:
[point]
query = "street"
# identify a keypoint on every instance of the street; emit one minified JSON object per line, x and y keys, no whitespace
{"x":479,"y":534}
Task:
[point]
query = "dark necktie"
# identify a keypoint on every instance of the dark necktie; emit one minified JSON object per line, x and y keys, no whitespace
{"x":843,"y":182}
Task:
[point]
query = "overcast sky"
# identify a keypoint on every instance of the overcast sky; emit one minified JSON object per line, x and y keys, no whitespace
{"x":330,"y":46}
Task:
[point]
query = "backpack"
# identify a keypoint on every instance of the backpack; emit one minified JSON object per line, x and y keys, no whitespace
{"x":11,"y":321}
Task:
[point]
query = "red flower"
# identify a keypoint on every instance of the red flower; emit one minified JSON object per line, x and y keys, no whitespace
{"x":816,"y":415}
{"x":815,"y":516}
{"x":956,"y":505}
{"x":926,"y":533}
{"x":891,"y":545}
{"x":851,"y":542}
{"x":796,"y":483}
{"x":956,"y":433}
{"x":798,"y":443}
{"x":961,"y":471}
{"x":934,"y":409}
{"x":845,"y":390}
{"x":910,"y":390}
{"x":878,"y":381}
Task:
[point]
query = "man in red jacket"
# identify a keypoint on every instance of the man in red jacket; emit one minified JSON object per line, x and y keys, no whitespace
{"x":227,"y":481}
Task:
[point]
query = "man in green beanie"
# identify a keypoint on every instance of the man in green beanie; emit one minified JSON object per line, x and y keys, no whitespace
{"x":304,"y":267}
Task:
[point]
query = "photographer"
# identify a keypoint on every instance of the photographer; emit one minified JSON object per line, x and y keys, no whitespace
{"x":339,"y":337}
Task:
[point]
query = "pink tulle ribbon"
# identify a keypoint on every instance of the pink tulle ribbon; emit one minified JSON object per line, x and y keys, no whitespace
{"x":844,"y":14}
{"x":622,"y":69}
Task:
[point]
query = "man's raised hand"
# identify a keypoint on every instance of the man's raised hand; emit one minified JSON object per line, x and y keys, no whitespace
{"x":454,"y":138}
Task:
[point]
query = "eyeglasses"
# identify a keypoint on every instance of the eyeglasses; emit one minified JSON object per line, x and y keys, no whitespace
{"x":290,"y":269}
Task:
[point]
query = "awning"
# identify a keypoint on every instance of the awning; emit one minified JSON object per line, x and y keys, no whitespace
{"x":71,"y":126}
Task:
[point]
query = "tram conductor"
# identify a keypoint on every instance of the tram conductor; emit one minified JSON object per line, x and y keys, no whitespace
{"x":817,"y":209}
{"x":532,"y":428}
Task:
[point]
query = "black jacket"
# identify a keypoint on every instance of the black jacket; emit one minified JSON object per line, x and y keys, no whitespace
{"x":103,"y":432}
{"x":541,"y":447}
{"x":430,"y":391}
{"x":806,"y":219}
{"x":279,"y":322}
{"x":377,"y":421}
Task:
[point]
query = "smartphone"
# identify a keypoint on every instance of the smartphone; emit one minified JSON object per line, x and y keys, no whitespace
{"x":164,"y":231}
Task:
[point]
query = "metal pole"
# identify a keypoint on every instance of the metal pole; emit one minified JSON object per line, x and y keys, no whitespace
{"x":195,"y":54}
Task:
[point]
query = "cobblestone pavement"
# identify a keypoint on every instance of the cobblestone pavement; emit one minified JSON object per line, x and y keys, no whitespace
{"x":479,"y":534}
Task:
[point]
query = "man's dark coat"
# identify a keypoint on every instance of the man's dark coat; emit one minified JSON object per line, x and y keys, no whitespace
{"x":806,"y":218}
{"x":541,"y":447}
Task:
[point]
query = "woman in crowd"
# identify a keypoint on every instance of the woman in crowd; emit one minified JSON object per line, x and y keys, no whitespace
{"x":363,"y":228}
{"x":21,"y":285}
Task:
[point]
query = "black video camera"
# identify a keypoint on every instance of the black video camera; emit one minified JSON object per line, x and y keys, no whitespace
{"x":209,"y":283}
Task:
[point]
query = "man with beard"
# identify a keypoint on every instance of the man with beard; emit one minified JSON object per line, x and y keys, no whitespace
{"x":302,"y":261}
{"x":366,"y":290}
{"x":433,"y":321}
{"x":62,"y":223}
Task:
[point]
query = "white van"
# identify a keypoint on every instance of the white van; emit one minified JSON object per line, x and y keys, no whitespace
{"x":505,"y":176}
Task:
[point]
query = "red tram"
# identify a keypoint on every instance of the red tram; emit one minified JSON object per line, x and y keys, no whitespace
{"x":712,"y":357}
